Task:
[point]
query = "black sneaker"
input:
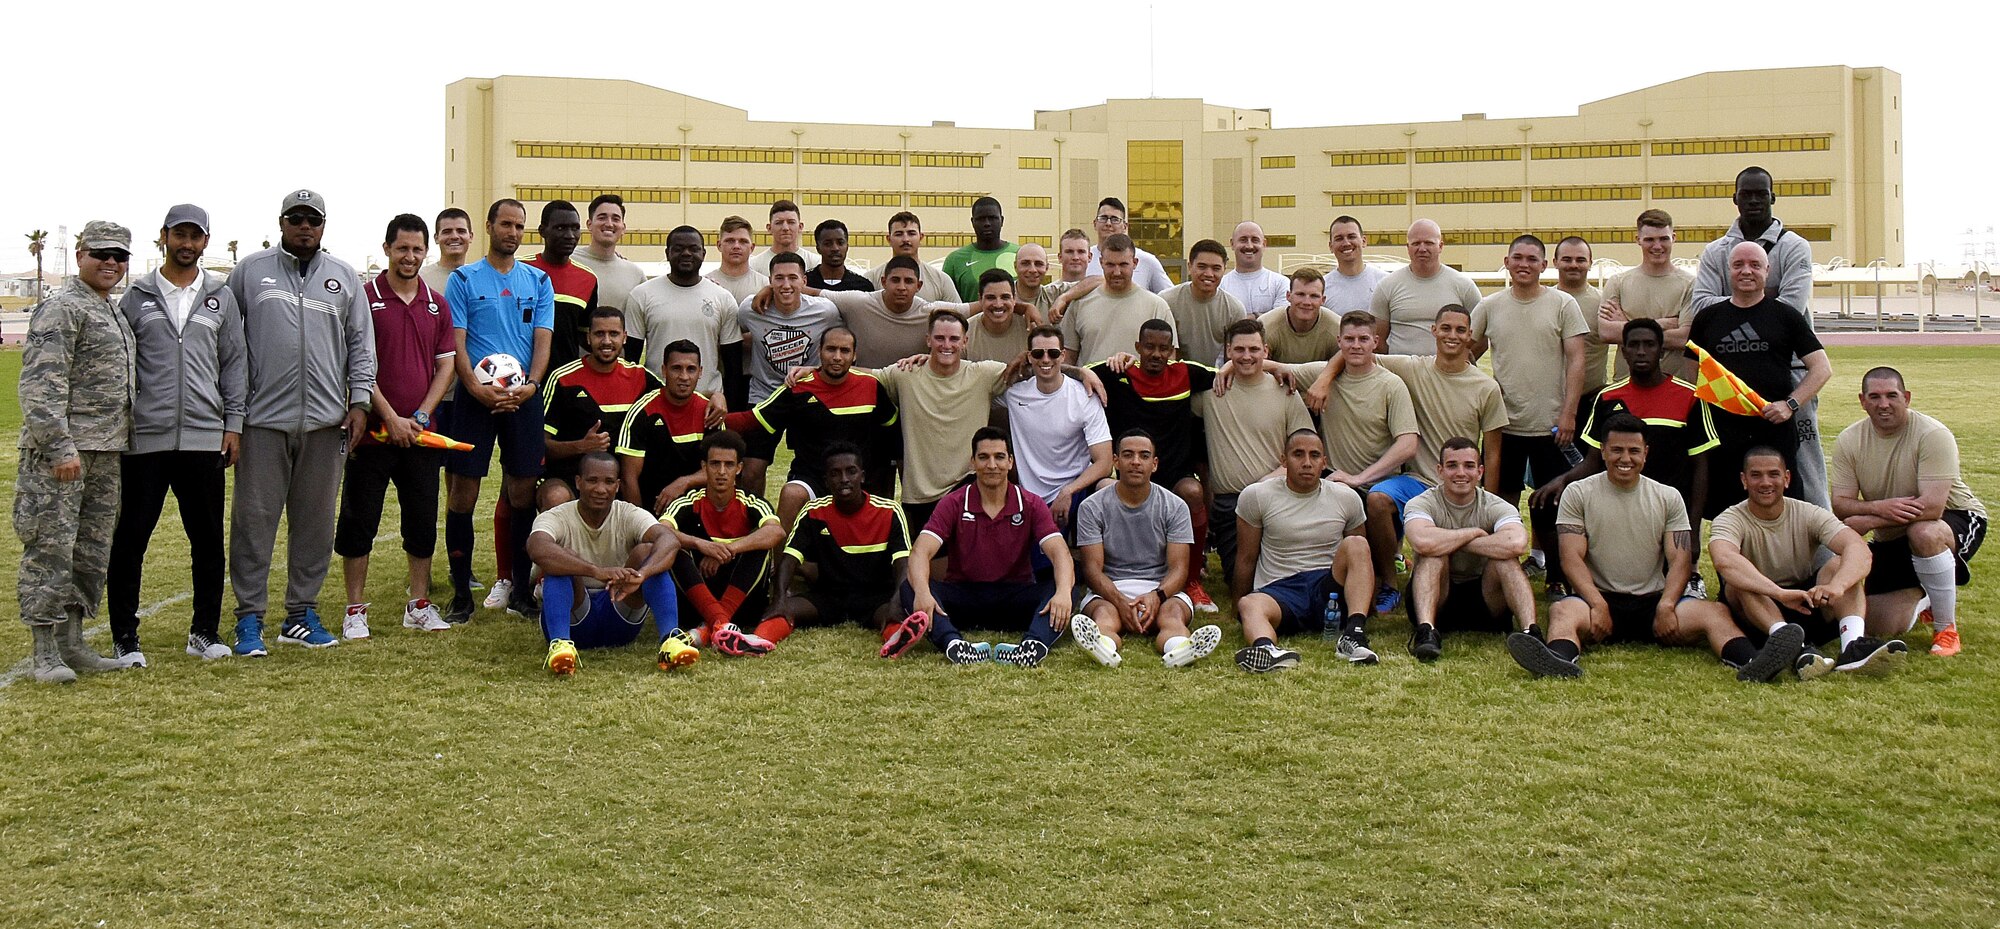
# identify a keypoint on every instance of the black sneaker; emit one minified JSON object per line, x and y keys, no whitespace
{"x":1778,"y":653}
{"x":525,"y":606}
{"x":1530,"y":653}
{"x":1258,"y":659}
{"x":1535,"y":629}
{"x":1811,"y":665}
{"x":1425,"y":643}
{"x":462,"y":606}
{"x":959,"y":651}
{"x":125,"y":651}
{"x":1871,"y":654}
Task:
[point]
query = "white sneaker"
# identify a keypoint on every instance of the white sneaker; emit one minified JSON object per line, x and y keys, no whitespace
{"x":1697,"y":589}
{"x":355,"y":624}
{"x":422,"y":615}
{"x":498,"y":595}
{"x":1085,"y":630}
{"x":206,"y":648}
{"x":1189,"y":649}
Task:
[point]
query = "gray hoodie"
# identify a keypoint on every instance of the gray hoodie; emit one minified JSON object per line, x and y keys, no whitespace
{"x":309,"y":338}
{"x":191,"y":383}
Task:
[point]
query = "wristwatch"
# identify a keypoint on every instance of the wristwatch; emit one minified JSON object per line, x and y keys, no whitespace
{"x":422,"y":419}
{"x":1793,"y":403}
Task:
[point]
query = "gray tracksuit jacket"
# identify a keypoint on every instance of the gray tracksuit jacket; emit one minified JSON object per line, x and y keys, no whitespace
{"x":191,"y":382}
{"x":309,"y":338}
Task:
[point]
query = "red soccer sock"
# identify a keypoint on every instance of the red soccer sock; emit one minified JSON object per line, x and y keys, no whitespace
{"x":712,"y":616}
{"x":730,"y":601}
{"x":503,"y":554}
{"x":775,"y":629}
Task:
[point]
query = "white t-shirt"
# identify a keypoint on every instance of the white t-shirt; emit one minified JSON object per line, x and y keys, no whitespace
{"x":1259,"y":290}
{"x":661,"y":312}
{"x":1345,"y":294}
{"x":179,"y":300}
{"x":1053,"y":434}
{"x":1150,"y":274}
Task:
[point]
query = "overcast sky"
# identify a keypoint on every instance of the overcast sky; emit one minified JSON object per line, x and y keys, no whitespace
{"x":120,"y":110}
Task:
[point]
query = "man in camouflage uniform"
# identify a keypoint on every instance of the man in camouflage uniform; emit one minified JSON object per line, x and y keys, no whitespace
{"x":76,"y":415}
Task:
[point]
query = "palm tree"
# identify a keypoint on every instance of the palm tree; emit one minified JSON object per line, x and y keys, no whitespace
{"x":35,"y":240}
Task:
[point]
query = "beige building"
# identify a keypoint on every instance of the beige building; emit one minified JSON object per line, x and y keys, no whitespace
{"x":1831,"y":136}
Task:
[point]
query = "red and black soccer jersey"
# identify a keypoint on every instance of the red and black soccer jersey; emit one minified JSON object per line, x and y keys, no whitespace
{"x":1163,"y":405}
{"x":666,"y":437}
{"x":579,"y":396}
{"x":1678,"y":426}
{"x":692,"y":514}
{"x":855,"y":553}
{"x":814,"y":412}
{"x":576,"y":295}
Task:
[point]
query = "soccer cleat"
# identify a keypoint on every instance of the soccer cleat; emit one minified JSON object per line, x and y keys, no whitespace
{"x":736,"y":643}
{"x":1780,"y":651}
{"x":1697,"y":589}
{"x":1199,"y":644}
{"x":1944,"y":643}
{"x":904,"y":634}
{"x":1530,"y":653}
{"x":1872,"y":655}
{"x":127,"y":653}
{"x":1387,"y":598}
{"x":677,"y":652}
{"x":206,"y":647}
{"x":1425,"y":643}
{"x":422,"y":615}
{"x":250,"y":637}
{"x":1811,"y":665}
{"x":1084,"y":629}
{"x":561,"y":660}
{"x":1202,"y":602}
{"x":1028,"y":654}
{"x":307,"y":631}
{"x":1259,"y":659}
{"x":1353,"y":646}
{"x":959,"y":651}
{"x":498,"y":594}
{"x":525,"y":606}
{"x":355,"y":624}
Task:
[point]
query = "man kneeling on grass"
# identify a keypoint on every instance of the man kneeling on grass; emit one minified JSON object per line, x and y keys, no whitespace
{"x":1134,"y":539}
{"x":1469,"y":544}
{"x":726,"y":537}
{"x":857,"y":542}
{"x":614,"y":556}
{"x":1627,"y":551}
{"x":1303,"y":539}
{"x":988,"y":531}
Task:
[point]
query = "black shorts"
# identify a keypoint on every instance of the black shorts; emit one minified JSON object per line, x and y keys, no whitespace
{"x":1631,"y":615}
{"x":1893,"y":570}
{"x":373,"y":468}
{"x":519,"y":435}
{"x":1520,"y":453}
{"x":1819,"y":629}
{"x":1464,"y":608}
{"x":857,"y":607}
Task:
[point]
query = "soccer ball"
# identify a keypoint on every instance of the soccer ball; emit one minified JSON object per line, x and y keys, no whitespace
{"x":499,"y":371}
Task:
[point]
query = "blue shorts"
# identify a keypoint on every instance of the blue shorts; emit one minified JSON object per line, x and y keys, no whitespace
{"x":519,"y":435}
{"x":603,"y":626}
{"x":1301,"y":600}
{"x":1401,"y":489}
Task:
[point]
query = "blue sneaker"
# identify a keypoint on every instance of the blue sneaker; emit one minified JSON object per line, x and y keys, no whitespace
{"x":307,"y":631}
{"x":250,"y":637}
{"x":1387,"y":598}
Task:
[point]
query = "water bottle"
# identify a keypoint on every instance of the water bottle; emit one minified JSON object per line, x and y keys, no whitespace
{"x":1571,"y":453}
{"x":1330,"y":632}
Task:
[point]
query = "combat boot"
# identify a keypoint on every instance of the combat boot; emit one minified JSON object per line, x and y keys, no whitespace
{"x":76,"y":654}
{"x":48,"y":663}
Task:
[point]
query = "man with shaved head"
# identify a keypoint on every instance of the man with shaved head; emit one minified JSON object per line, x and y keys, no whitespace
{"x":1258,"y":288}
{"x":1407,"y":301}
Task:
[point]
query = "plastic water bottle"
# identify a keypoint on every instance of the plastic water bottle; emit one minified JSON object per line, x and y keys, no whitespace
{"x":1330,"y":632}
{"x":1571,"y":453}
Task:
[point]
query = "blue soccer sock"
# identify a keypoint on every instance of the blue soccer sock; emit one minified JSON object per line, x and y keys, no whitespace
{"x":660,"y":598}
{"x":558,"y":599}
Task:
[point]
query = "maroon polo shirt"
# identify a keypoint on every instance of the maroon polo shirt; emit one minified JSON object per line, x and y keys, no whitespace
{"x":982,"y":549}
{"x":409,"y":339}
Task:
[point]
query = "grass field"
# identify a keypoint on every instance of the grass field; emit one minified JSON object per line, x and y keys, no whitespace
{"x":445,"y":780}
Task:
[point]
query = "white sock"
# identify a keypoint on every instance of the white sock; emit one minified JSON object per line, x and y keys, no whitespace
{"x":1851,"y":628}
{"x":1538,"y":557}
{"x":1939,"y":575}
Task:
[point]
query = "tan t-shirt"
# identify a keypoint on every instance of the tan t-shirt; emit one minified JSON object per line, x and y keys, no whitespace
{"x":1643,"y":295}
{"x":1291,"y":347}
{"x":1045,"y":295}
{"x":1626,"y":529}
{"x":742,"y":287}
{"x":936,"y":285}
{"x":1877,"y":467}
{"x":882,"y":338}
{"x":1411,"y":303}
{"x":1003,"y":347}
{"x":1527,"y":341}
{"x":1199,"y":323}
{"x":939,"y":416}
{"x":1101,"y":324}
{"x":615,"y":278}
{"x":1486,"y":511}
{"x":1365,"y":414}
{"x":1247,"y":428}
{"x":608,"y":545}
{"x":1300,"y":531}
{"x":1463,"y":404}
{"x":661,"y":311}
{"x":1596,"y":354}
{"x":1782,"y":548}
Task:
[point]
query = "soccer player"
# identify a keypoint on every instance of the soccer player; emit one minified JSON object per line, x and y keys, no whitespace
{"x":1103,"y":321}
{"x":988,"y":531}
{"x":1468,"y":542}
{"x":605,"y":563}
{"x":498,"y":305}
{"x":1303,"y":546}
{"x":987,"y":252}
{"x":1257,"y":288}
{"x":1407,"y":300}
{"x":454,"y":241}
{"x":726,"y":537}
{"x":785,"y":334}
{"x":860,"y":548}
{"x":1352,"y":284}
{"x":575,"y":284}
{"x":1201,"y":308}
{"x":586,"y":401}
{"x":1301,"y":330}
{"x":906,"y":240}
{"x":1656,"y":289}
{"x":1147,"y":272}
{"x":832,"y":273}
{"x":1896,"y":474}
{"x":1248,"y":431}
{"x":659,"y":446}
{"x":188,"y":393}
{"x":816,"y":410}
{"x":616,"y":274}
{"x":786,"y":226}
{"x":1059,"y":428}
{"x":1763,"y":550}
{"x":682,"y":304}
{"x":1628,"y":550}
{"x":1133,"y":539}
{"x":415,"y":352}
{"x":735,"y":275}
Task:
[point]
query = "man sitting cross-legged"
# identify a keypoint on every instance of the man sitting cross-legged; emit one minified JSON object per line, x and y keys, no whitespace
{"x":1763,"y":550}
{"x":859,"y":545}
{"x":726,"y":537}
{"x":1627,"y":551}
{"x":1469,"y":544}
{"x":1303,"y":540}
{"x":604,"y":552}
{"x":1133,"y":539}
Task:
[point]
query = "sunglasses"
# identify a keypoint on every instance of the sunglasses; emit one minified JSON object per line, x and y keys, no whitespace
{"x":1110,"y":220}
{"x":304,"y":219}
{"x":1045,"y":353}
{"x":111,"y":254}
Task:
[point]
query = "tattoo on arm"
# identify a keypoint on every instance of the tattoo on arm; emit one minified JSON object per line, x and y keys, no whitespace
{"x":1563,"y":529}
{"x":1683,"y":539}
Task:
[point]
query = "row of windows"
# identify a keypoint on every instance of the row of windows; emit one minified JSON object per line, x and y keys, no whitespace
{"x":742,"y":155}
{"x":1368,"y":198}
{"x":1721,"y":190}
{"x":1817,"y":143}
{"x":1357,"y":159}
{"x":1427,"y":156}
{"x":1281,"y":241}
{"x":743,"y":197}
{"x":1724,"y":190}
{"x":583,"y":195}
{"x":597,"y":152}
{"x":602,"y":151}
{"x":943,"y":200}
{"x":1278,"y":161}
{"x":1035,"y":164}
{"x":1475,"y":195}
{"x":1572,"y":194}
{"x":1603,"y":235}
{"x":1586,"y":150}
{"x":658,"y":238}
{"x":849,"y":198}
{"x":1037,"y":203}
{"x":1278,"y":202}
{"x":946,"y":160}
{"x":813,"y":156}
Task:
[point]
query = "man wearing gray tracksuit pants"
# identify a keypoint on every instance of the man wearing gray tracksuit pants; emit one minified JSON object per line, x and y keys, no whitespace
{"x":311,"y":344}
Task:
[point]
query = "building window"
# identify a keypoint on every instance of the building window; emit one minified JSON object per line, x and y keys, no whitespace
{"x":1572,"y":194}
{"x":1724,"y":190}
{"x":1036,"y":164}
{"x":1278,"y":161}
{"x":1357,"y":159}
{"x":1037,"y":203}
{"x":598,"y":151}
{"x":740,"y":197}
{"x":823,"y":156}
{"x":1427,"y":156}
{"x":1278,"y":202}
{"x":582,"y":195}
{"x":1586,"y":150}
{"x":1155,"y":186}
{"x":947,"y":160}
{"x":1816,"y":143}
{"x":942,"y":200}
{"x":776,"y":156}
{"x":1474,"y":195}
{"x":848,"y":198}
{"x":1045,"y":241}
{"x":1281,"y":241}
{"x":1368,"y":198}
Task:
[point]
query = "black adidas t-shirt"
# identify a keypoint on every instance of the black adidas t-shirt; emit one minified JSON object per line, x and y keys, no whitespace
{"x":1756,"y":344}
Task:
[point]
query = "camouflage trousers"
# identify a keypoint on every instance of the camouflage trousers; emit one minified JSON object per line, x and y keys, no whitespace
{"x":65,"y":529}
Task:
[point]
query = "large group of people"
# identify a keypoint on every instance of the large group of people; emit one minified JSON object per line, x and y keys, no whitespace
{"x":998,"y":447}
